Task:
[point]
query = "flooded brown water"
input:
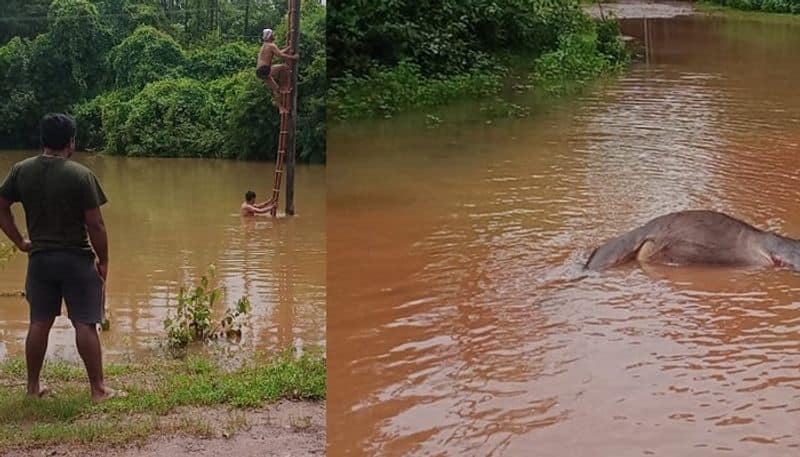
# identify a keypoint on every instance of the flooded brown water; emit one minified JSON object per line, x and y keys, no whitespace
{"x":458,"y":324}
{"x":168,"y":220}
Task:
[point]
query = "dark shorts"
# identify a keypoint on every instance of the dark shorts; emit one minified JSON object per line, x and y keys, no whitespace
{"x":73,"y":277}
{"x":263,"y":71}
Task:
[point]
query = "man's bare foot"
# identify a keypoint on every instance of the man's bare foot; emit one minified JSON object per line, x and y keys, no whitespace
{"x":107,"y":394}
{"x":39,"y":392}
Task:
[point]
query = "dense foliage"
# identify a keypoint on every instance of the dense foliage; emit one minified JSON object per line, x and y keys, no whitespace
{"x":157,"y":77}
{"x":771,"y":6}
{"x":388,"y":56}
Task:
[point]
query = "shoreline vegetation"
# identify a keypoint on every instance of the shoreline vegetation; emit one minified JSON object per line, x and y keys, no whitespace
{"x":160,"y":391}
{"x":149,"y":78}
{"x":771,"y":7}
{"x":385,"y":61}
{"x":743,"y":10}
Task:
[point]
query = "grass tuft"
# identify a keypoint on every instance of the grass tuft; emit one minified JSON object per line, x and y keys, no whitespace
{"x":155,"y":389}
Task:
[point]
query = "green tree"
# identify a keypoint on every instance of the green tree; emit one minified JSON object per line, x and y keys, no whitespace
{"x":251,"y":120}
{"x":79,"y":36}
{"x":16,"y":92}
{"x":146,"y":55}
{"x":312,"y":83}
{"x":123,"y":16}
{"x":221,"y":61}
{"x":23,"y":18}
{"x":442,"y":37}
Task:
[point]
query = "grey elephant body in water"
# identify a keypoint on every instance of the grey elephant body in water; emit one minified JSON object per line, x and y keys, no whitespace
{"x":698,"y":238}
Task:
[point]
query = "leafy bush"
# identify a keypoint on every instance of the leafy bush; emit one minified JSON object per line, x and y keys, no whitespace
{"x":172,"y":118}
{"x":89,"y":116}
{"x":251,"y":120}
{"x":79,"y":36}
{"x":388,"y":90}
{"x":52,"y":71}
{"x":16,"y":93}
{"x":610,"y":42}
{"x":385,"y":57}
{"x":145,"y":56}
{"x":312,"y":83}
{"x":581,"y":56}
{"x":7,"y":251}
{"x":771,"y":6}
{"x":222,"y":61}
{"x":35,"y":12}
{"x":194,"y":315}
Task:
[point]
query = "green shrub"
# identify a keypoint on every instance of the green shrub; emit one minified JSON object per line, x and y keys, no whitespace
{"x":221,"y":61}
{"x":248,"y":103}
{"x":594,"y":49}
{"x":388,"y":57}
{"x":145,"y":56}
{"x":7,"y":251}
{"x":80,"y":39}
{"x":16,"y":94}
{"x":89,"y":116}
{"x":170,"y":118}
{"x":610,"y":42}
{"x":194,"y":318}
{"x":771,"y":6}
{"x":386,"y":91}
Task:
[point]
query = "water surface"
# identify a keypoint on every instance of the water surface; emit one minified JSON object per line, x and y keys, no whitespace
{"x":459,"y":326}
{"x":168,"y":220}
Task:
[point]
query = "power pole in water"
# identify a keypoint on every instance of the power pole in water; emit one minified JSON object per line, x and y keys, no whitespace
{"x":291,"y":158}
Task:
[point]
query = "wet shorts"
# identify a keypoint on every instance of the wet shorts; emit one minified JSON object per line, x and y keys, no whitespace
{"x":263,"y":71}
{"x":73,"y":277}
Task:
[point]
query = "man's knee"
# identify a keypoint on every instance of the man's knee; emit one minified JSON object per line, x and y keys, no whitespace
{"x":42,"y":324}
{"x":84,"y":326}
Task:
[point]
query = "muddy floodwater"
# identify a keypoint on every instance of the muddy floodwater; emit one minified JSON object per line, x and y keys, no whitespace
{"x":459,"y":325}
{"x":167,"y":221}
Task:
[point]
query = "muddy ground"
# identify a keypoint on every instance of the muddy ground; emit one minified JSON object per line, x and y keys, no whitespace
{"x":286,"y":429}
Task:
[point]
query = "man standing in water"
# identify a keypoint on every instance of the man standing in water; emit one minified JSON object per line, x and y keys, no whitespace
{"x":270,"y":73}
{"x":62,"y":200}
{"x":251,"y":208}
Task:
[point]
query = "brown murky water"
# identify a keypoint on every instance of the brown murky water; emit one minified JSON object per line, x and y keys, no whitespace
{"x":459,"y":326}
{"x":168,"y":220}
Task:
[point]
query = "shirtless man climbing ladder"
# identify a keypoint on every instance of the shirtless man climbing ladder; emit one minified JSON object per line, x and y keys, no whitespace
{"x":270,"y":73}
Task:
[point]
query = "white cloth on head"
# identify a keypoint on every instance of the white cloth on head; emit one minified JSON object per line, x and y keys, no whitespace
{"x":266,"y":34}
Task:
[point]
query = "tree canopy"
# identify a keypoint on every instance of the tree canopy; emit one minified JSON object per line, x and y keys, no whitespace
{"x":157,"y":77}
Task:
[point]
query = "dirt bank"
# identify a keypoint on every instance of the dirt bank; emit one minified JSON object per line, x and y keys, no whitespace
{"x":641,"y":9}
{"x":295,"y":429}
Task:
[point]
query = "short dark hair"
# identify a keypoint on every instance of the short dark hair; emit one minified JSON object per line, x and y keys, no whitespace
{"x":57,"y":130}
{"x":249,"y":195}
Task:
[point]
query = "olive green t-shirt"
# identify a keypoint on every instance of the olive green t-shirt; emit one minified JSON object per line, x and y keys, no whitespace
{"x":55,"y":192}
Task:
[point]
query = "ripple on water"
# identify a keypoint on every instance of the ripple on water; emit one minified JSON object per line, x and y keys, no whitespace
{"x":495,"y":342}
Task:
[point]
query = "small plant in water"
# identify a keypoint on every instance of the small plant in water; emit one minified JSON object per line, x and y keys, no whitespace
{"x":7,"y":251}
{"x":194,"y":316}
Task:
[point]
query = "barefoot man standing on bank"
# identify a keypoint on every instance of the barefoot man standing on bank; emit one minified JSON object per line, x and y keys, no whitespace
{"x":62,"y":200}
